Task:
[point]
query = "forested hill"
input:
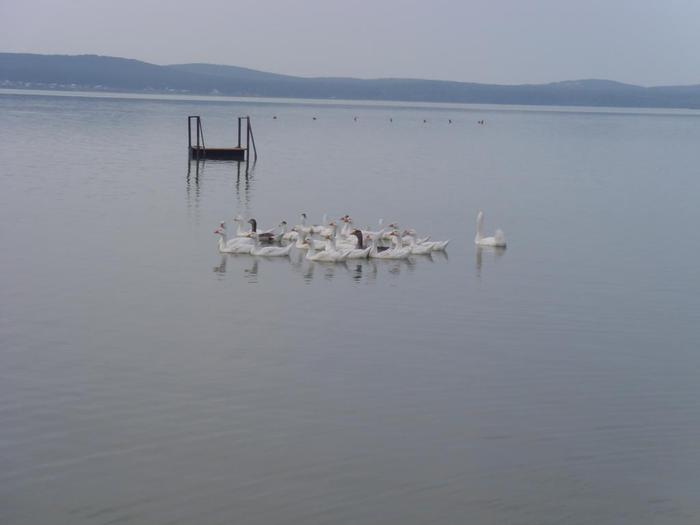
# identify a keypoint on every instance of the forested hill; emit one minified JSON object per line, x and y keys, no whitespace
{"x":92,"y":72}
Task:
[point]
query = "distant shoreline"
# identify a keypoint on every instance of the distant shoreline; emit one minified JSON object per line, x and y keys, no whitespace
{"x":375,"y":104}
{"x":100,"y":74}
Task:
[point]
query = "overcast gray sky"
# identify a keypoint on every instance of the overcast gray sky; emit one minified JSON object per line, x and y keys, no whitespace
{"x":501,"y":41}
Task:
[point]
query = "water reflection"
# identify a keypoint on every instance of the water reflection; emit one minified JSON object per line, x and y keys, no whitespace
{"x":197,"y":163}
{"x":358,"y":271}
{"x":244,"y":172}
{"x":251,"y":273}
{"x":243,"y":198}
{"x":220,"y":269}
{"x":193,"y":189}
{"x":495,"y":254}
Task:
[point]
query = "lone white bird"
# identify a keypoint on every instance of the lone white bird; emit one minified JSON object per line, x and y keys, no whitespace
{"x":498,"y":240}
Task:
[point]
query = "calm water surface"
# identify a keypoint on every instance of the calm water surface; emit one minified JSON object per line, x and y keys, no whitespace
{"x":145,"y":379}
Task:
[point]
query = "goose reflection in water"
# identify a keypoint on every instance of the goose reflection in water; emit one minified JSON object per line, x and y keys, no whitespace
{"x":365,"y":270}
{"x":439,"y":256}
{"x":220,"y":269}
{"x":361,"y":270}
{"x":252,"y":272}
{"x":309,"y":273}
{"x":496,"y":251}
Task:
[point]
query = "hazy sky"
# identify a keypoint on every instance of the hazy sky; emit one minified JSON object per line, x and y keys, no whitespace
{"x":649,"y":42}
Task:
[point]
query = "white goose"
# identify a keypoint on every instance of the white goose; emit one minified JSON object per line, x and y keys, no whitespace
{"x":436,"y":246}
{"x":390,"y":231}
{"x":269,"y":251}
{"x":346,"y":229}
{"x":303,"y":228}
{"x":369,"y":233}
{"x":389,"y":253}
{"x":498,"y":240}
{"x":409,"y":236}
{"x":324,"y":231}
{"x":327,"y":255}
{"x":304,"y":241}
{"x":356,"y":252}
{"x":240,"y":232}
{"x":288,"y":235}
{"x":320,"y":228}
{"x":238,"y":245}
{"x":237,"y":237}
{"x":416,"y":247}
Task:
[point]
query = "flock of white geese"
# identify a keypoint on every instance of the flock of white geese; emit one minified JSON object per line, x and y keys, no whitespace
{"x":337,"y":241}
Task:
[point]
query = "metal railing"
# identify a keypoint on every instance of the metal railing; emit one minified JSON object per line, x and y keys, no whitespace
{"x":249,"y":138}
{"x":200,"y":148}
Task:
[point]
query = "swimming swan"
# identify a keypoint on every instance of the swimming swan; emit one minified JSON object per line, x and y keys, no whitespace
{"x":498,"y":240}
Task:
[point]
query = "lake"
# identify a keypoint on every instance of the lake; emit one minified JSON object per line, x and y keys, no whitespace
{"x":147,"y":379}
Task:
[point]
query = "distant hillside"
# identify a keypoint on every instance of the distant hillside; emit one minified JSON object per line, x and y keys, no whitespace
{"x":92,"y":72}
{"x":230,"y":72}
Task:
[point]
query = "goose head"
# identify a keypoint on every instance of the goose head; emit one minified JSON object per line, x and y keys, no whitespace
{"x":253,"y":225}
{"x":357,"y":233}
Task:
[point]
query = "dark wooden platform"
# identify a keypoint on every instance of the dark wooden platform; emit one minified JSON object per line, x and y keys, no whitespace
{"x":199,"y":152}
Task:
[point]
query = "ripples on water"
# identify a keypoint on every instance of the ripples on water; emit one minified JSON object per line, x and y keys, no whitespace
{"x":556,"y":382}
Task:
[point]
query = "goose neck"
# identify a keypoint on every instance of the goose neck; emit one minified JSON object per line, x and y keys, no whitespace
{"x":360,"y":244}
{"x":223,"y":239}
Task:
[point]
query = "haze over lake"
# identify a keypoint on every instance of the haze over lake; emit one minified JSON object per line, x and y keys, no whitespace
{"x":146,"y":379}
